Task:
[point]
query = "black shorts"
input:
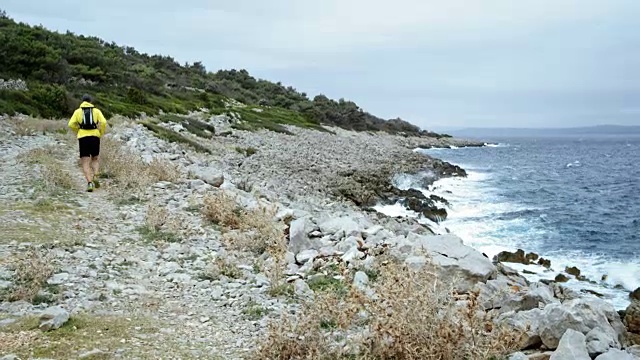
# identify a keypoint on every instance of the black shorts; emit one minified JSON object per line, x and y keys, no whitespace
{"x":89,"y":146}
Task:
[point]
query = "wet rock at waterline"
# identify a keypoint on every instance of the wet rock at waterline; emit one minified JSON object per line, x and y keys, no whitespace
{"x":519,"y":257}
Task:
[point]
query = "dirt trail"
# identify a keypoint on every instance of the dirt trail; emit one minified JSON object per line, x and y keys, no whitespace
{"x":128,"y":297}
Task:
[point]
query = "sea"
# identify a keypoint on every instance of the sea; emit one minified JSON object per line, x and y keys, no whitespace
{"x":572,"y":199}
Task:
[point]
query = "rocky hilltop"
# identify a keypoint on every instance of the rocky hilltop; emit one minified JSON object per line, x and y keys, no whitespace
{"x":208,"y":241}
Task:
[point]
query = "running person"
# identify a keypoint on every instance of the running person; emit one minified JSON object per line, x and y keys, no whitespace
{"x":89,"y":124}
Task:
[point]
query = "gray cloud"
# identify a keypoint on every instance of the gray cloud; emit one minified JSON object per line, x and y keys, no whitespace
{"x":455,"y":63}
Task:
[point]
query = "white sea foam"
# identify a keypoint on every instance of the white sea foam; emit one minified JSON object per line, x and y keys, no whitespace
{"x":475,"y":216}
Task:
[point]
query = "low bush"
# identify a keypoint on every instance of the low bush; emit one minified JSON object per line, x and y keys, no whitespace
{"x":249,"y":230}
{"x":119,"y":164}
{"x":248,"y":151}
{"x":31,"y":269}
{"x":221,"y":267}
{"x":194,"y":126}
{"x":163,"y":170}
{"x":173,"y":137}
{"x":160,"y":226}
{"x":412,"y":315}
{"x":31,"y":126}
{"x":130,"y":171}
{"x":52,"y":172}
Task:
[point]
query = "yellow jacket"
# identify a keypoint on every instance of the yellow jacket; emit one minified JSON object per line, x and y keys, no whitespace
{"x":98,"y":117}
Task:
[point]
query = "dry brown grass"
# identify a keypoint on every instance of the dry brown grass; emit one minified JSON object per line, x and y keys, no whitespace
{"x":221,"y":267}
{"x":412,"y":316}
{"x":157,"y":217}
{"x":10,"y":342}
{"x":249,"y":230}
{"x":253,"y":230}
{"x":161,"y":226}
{"x":30,"y":126}
{"x":121,"y":165}
{"x":52,"y":171}
{"x":163,"y":170}
{"x":129,"y":171}
{"x":221,"y":209}
{"x":31,"y":271}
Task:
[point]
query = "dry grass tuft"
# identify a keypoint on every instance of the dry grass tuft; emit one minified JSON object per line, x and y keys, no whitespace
{"x":411,"y":316}
{"x":32,"y":269}
{"x":9,"y":342}
{"x":222,"y":209}
{"x":221,"y":267}
{"x":157,"y":217}
{"x":163,"y":170}
{"x":249,"y":230}
{"x":52,"y":171}
{"x":161,"y":226}
{"x":252,"y":230}
{"x":129,"y":170}
{"x":31,"y":127}
{"x":121,"y":165}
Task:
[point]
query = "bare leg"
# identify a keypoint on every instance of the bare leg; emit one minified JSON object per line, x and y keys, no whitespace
{"x":86,"y":168}
{"x":95,"y":165}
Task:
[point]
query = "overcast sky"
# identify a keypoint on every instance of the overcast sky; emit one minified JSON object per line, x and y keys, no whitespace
{"x":454,"y":63}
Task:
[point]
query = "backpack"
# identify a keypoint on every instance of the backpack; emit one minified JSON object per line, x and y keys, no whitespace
{"x":87,"y":119}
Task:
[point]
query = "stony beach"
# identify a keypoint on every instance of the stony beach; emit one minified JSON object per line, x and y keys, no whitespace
{"x":198,"y":253}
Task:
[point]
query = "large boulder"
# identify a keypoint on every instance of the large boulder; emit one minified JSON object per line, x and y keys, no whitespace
{"x":460,"y":264}
{"x":416,"y":201}
{"x":299,"y":239}
{"x":564,"y":293}
{"x":599,"y":342}
{"x":536,"y":296}
{"x":547,"y":326}
{"x":632,"y":317}
{"x":209,"y":175}
{"x":572,"y":346}
{"x":615,"y":354}
{"x":525,"y":322}
{"x":518,"y":257}
{"x":512,"y":275}
{"x":53,"y":318}
{"x":582,"y":315}
{"x":341,"y":227}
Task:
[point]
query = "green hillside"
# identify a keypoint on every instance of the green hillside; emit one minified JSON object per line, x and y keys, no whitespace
{"x":58,"y":68}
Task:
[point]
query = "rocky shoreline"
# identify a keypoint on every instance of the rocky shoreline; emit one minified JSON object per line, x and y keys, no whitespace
{"x":168,"y":256}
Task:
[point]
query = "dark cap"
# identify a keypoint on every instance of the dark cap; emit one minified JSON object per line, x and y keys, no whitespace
{"x":86,"y":98}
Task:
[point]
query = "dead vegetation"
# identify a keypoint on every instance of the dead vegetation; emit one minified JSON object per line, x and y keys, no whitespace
{"x":53,"y":175}
{"x":221,"y":267}
{"x":249,"y":230}
{"x":411,"y":316}
{"x":84,"y":332}
{"x":129,"y":171}
{"x":31,"y":126}
{"x":160,"y":226}
{"x":31,"y":269}
{"x":163,"y":170}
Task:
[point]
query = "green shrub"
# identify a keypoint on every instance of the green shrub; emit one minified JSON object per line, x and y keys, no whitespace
{"x":172,"y":136}
{"x":130,"y":83}
{"x":194,"y":126}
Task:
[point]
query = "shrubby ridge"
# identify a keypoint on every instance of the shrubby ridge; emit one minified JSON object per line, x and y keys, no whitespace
{"x":60,"y":67}
{"x":247,"y":230}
